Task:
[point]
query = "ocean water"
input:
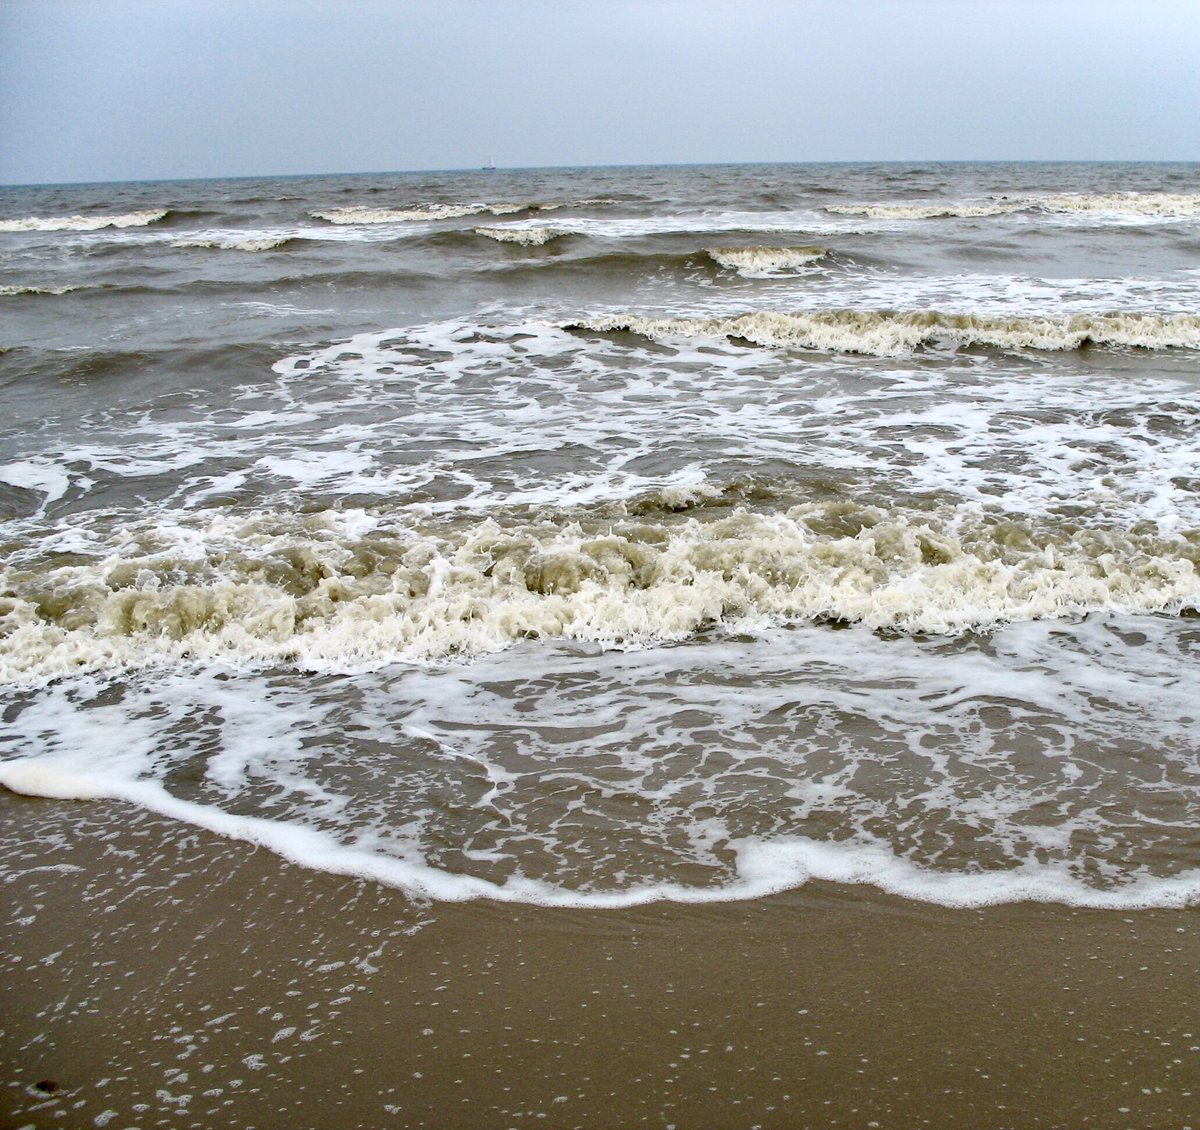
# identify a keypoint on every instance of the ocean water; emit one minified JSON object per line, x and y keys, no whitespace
{"x":597,"y":537}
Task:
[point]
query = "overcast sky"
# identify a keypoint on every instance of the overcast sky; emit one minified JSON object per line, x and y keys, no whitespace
{"x":143,"y":89}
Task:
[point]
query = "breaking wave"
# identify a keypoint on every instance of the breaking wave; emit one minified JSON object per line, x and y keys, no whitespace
{"x":527,"y":236}
{"x":765,"y":262}
{"x":14,"y":291}
{"x":360,"y":215}
{"x":351,"y":590}
{"x":888,"y":333}
{"x":82,"y":223}
{"x":364,"y":215}
{"x":233,"y":243}
{"x":1164,"y":204}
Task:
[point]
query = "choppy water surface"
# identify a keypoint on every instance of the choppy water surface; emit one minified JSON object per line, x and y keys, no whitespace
{"x":601,"y":536}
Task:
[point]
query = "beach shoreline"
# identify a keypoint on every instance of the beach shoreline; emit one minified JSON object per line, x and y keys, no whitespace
{"x":163,"y":976}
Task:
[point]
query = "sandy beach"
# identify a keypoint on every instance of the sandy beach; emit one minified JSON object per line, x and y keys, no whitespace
{"x":159,"y":976}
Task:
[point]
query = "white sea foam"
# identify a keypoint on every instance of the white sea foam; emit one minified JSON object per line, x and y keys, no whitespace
{"x":889,"y":333}
{"x":82,"y":223}
{"x":42,"y":777}
{"x":35,"y":474}
{"x":525,"y":235}
{"x":765,"y":262}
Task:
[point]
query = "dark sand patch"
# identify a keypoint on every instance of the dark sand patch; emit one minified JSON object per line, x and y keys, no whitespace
{"x":160,"y":976}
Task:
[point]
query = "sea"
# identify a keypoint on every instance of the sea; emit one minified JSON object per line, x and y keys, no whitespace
{"x":610,"y":536}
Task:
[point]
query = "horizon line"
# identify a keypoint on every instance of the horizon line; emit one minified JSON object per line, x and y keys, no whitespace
{"x":500,"y":169}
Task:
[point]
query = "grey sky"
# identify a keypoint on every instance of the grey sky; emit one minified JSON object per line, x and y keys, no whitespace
{"x":135,"y":89}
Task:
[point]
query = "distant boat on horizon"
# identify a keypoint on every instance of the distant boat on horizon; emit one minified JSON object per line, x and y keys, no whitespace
{"x":490,"y":167}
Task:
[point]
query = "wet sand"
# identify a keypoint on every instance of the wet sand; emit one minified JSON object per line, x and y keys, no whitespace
{"x":160,"y":976}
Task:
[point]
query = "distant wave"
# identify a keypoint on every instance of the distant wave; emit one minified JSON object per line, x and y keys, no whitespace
{"x":528,"y":236}
{"x":765,"y":262}
{"x":363,"y":215}
{"x":14,"y":291}
{"x":1115,"y":203}
{"x":234,"y":243}
{"x":328,"y":589}
{"x":747,"y":262}
{"x":359,"y":215}
{"x":887,"y":333}
{"x":82,"y":223}
{"x":619,"y":267}
{"x":1129,"y":203}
